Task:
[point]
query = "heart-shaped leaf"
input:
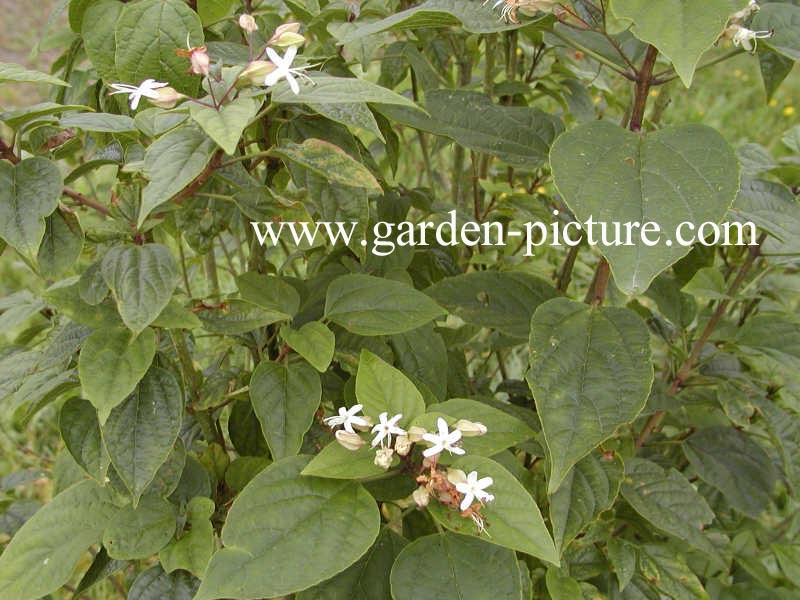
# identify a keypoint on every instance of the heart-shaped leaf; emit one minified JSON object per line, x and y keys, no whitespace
{"x":225,"y":126}
{"x":668,"y":177}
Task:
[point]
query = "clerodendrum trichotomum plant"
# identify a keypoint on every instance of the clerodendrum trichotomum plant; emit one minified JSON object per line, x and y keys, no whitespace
{"x":391,"y":301}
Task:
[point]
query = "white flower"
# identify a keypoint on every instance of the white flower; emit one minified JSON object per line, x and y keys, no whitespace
{"x":386,"y":429}
{"x":443,"y":440}
{"x":147,"y":89}
{"x":284,"y":69}
{"x":347,"y":418}
{"x":383,"y":457}
{"x":474,"y":488}
{"x":748,"y":38}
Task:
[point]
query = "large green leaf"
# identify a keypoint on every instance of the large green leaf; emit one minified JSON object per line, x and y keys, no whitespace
{"x":80,"y":431}
{"x":130,"y":356}
{"x":269,"y":292}
{"x":192,"y":551}
{"x":147,"y":35}
{"x":736,"y":465}
{"x":669,"y":573}
{"x":681,"y":29}
{"x":589,"y":488}
{"x":100,"y":122}
{"x":513,"y":519}
{"x":329,"y":161}
{"x":773,"y":208}
{"x":773,"y":334}
{"x":518,"y":135}
{"x":142,"y":279}
{"x":14,"y":73}
{"x":285,"y":398}
{"x":314,"y":342}
{"x":140,"y":532}
{"x":590,"y":373}
{"x":155,"y":584}
{"x":44,"y":552}
{"x":669,"y":502}
{"x":454,"y":567}
{"x":368,"y":305}
{"x":382,"y":388}
{"x":29,"y":192}
{"x":472,"y":16}
{"x":366,"y":579}
{"x":140,"y":433}
{"x":61,"y":245}
{"x":171,"y":163}
{"x":225,"y":126}
{"x":784,"y":19}
{"x":503,"y":300}
{"x":211,"y":11}
{"x":281,"y":516}
{"x":327,"y":89}
{"x":337,"y":462}
{"x":98,"y":30}
{"x":237,"y":316}
{"x":670,"y":176}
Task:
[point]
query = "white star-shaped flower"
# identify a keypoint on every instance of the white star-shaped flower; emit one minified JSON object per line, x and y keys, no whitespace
{"x":147,"y":89}
{"x":347,"y":418}
{"x":386,"y":428}
{"x":284,"y":69}
{"x":474,"y":488}
{"x":443,"y":440}
{"x":748,"y":38}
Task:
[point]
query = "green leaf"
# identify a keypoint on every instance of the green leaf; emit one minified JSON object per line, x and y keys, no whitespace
{"x":61,"y":245}
{"x":42,"y":555}
{"x":518,"y":135}
{"x":669,"y":502}
{"x":80,"y":431}
{"x":142,"y":279}
{"x":669,"y":573}
{"x":776,"y":335}
{"x":472,"y":16}
{"x":101,"y":568}
{"x":454,"y":567}
{"x":708,"y":282}
{"x":512,"y":520}
{"x":561,"y":586}
{"x":131,"y":356}
{"x":734,"y":464}
{"x":775,"y":68}
{"x":337,"y":462}
{"x":368,"y":305}
{"x":100,"y":122}
{"x":285,"y":399}
{"x":503,"y":432}
{"x":171,"y":163}
{"x":784,"y":19}
{"x":329,"y":161}
{"x":589,"y":488}
{"x":281,"y":515}
{"x":771,"y":207}
{"x":98,"y":31}
{"x":504,"y":300}
{"x":314,"y":342}
{"x":139,"y":433}
{"x":789,"y":559}
{"x":211,"y":11}
{"x":192,"y":551}
{"x":670,"y":176}
{"x":147,"y":34}
{"x":337,"y":90}
{"x":622,"y":555}
{"x":366,"y":579}
{"x":14,"y":73}
{"x":382,"y":388}
{"x":140,"y":532}
{"x":29,"y":192}
{"x":226,"y":125}
{"x":422,"y":354}
{"x":237,"y":316}
{"x":356,"y":115}
{"x":693,"y":27}
{"x":590,"y":373}
{"x":175,"y":316}
{"x":271,"y":293}
{"x":155,"y":584}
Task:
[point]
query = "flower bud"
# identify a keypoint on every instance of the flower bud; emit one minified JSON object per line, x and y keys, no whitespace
{"x":383,"y":457}
{"x":470,"y":428}
{"x":287,"y":35}
{"x":456,"y":476}
{"x":168,"y":97}
{"x":255,"y":72}
{"x":351,"y":441}
{"x":415,"y":433}
{"x":421,"y":496}
{"x":199,"y":61}
{"x":248,"y":23}
{"x":402,"y":445}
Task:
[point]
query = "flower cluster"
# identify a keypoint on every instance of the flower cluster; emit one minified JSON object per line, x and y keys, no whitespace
{"x":741,"y":35}
{"x":451,"y":487}
{"x":257,"y":72}
{"x":509,"y":9}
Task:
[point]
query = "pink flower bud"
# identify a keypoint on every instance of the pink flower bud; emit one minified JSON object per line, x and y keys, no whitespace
{"x":248,"y":23}
{"x":168,"y":97}
{"x":287,"y":35}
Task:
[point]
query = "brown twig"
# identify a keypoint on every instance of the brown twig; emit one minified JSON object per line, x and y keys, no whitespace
{"x":86,"y":201}
{"x":7,"y":152}
{"x":644,"y":79}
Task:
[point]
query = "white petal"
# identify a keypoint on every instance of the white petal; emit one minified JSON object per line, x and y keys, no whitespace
{"x":467,"y":501}
{"x":135,"y":101}
{"x":291,"y":52}
{"x":457,"y":450}
{"x":432,"y":451}
{"x":273,"y":77}
{"x":274,"y":57}
{"x":293,"y":83}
